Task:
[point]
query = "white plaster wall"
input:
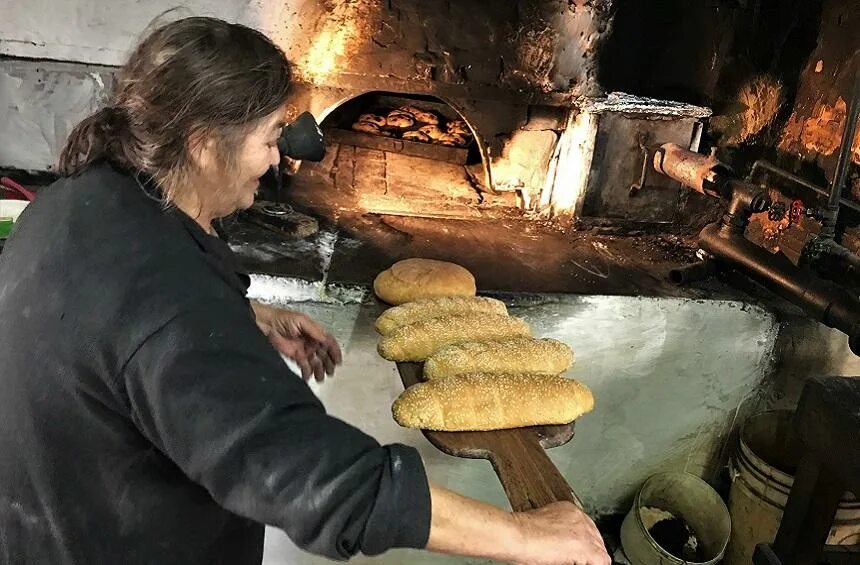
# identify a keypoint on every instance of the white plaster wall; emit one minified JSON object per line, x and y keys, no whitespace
{"x":668,"y":375}
{"x":102,"y":32}
{"x":40,"y":103}
{"x":69,"y":50}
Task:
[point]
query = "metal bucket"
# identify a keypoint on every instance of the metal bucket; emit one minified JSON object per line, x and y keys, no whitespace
{"x":687,"y":497}
{"x":761,"y":481}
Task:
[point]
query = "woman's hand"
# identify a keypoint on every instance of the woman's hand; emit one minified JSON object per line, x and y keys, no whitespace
{"x":557,"y":534}
{"x":560,"y":533}
{"x":299,"y":338}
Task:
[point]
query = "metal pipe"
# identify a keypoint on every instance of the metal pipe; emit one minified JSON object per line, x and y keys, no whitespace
{"x":725,"y":241}
{"x":837,"y":263}
{"x":851,"y":260}
{"x":844,"y":159}
{"x":768,"y":166}
{"x":701,"y":173}
{"x":693,"y":272}
{"x":746,"y":200}
{"x":848,"y":268}
{"x":847,"y":144}
{"x":826,"y":302}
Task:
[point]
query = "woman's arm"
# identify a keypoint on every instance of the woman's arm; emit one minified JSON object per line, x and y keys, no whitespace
{"x":210,"y":393}
{"x":553,"y":535}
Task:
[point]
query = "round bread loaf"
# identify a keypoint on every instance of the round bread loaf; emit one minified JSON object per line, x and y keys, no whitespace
{"x":423,"y":116}
{"x":416,"y":135}
{"x":433,"y":131}
{"x":414,"y":279}
{"x":399,"y":121}
{"x":458,"y":127}
{"x":373,"y":119}
{"x":452,"y":140}
{"x":366,"y":127}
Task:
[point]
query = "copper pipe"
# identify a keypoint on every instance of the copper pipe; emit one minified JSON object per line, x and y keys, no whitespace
{"x":725,"y":241}
{"x":848,"y":267}
{"x":821,"y":300}
{"x":693,"y":170}
{"x":693,"y":272}
{"x":770,"y":167}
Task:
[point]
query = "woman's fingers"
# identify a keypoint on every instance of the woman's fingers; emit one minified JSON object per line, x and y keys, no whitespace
{"x":327,"y":361}
{"x":312,"y":330}
{"x":301,"y":359}
{"x":317,"y":367}
{"x":333,"y":350}
{"x":313,"y":349}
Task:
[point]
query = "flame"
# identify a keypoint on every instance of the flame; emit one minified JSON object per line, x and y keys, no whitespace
{"x":821,"y":132}
{"x":326,"y":50}
{"x":344,"y":30}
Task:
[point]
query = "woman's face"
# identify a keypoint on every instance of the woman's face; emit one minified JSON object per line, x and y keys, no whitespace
{"x":256,"y":156}
{"x":259,"y":153}
{"x":226,"y":191}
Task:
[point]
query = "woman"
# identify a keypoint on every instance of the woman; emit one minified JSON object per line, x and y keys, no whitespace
{"x":145,"y":417}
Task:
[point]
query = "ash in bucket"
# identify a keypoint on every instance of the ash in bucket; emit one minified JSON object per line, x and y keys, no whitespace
{"x":672,"y":533}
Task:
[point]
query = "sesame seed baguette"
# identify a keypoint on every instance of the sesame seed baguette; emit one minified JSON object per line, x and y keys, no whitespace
{"x":412,"y":312}
{"x":481,"y":402}
{"x":514,"y":355}
{"x":418,"y":341}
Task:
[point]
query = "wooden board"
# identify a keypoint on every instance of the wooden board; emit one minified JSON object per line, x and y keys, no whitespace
{"x":527,"y":474}
{"x":456,"y":155}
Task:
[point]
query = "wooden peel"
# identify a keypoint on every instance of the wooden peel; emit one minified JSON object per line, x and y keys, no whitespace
{"x":527,"y":474}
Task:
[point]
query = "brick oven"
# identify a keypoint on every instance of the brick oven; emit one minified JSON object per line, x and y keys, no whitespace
{"x":546,"y":152}
{"x":521,"y":75}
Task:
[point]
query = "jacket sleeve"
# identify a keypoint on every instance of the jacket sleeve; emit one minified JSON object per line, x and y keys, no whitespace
{"x":209,"y":391}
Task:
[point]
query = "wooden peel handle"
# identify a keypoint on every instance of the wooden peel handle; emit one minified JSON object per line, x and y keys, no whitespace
{"x":530,"y":478}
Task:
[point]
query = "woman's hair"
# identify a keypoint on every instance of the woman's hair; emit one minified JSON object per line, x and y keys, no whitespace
{"x":187,"y":80}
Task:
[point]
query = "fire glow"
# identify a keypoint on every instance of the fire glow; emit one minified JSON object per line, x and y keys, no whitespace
{"x":340,"y":37}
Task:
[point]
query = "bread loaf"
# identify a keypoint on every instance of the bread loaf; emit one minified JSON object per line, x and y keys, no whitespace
{"x":418,"y":341}
{"x":422,"y":116}
{"x":452,"y":140}
{"x":366,"y":127}
{"x":399,"y":121}
{"x":515,"y":355}
{"x":372,"y":118}
{"x":416,"y":135}
{"x":481,"y":402}
{"x":412,"y":312}
{"x":432,"y":130}
{"x":413,"y":279}
{"x":458,"y":127}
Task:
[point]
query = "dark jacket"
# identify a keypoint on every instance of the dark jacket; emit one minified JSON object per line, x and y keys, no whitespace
{"x":143,"y":416}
